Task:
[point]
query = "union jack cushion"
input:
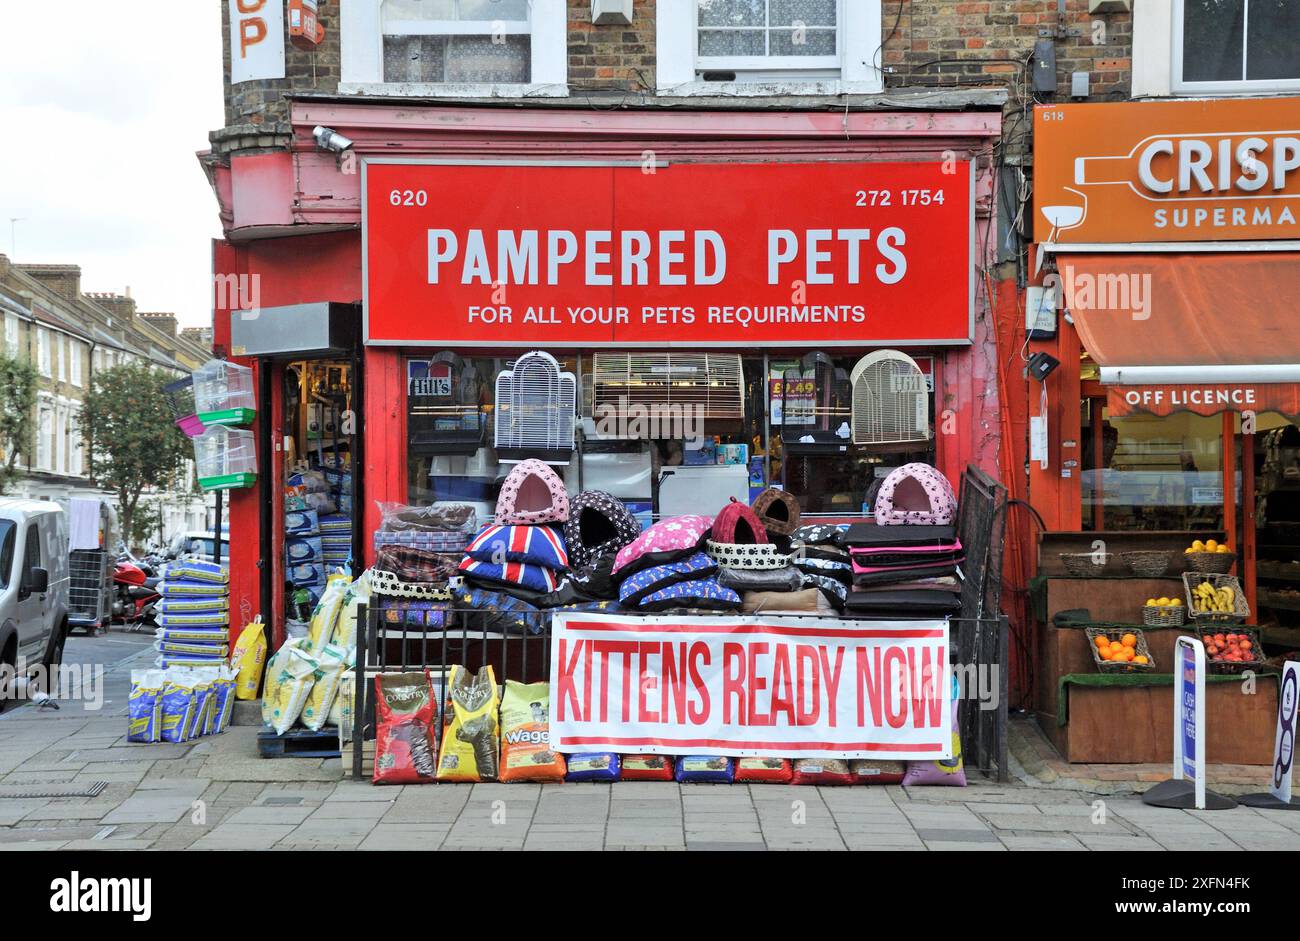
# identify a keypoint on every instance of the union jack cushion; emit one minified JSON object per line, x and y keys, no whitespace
{"x":533,"y":545}
{"x":534,"y":577}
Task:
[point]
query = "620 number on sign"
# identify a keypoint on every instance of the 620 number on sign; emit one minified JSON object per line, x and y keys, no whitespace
{"x":408,"y":198}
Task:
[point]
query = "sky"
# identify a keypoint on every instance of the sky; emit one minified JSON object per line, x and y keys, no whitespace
{"x":103,"y":107}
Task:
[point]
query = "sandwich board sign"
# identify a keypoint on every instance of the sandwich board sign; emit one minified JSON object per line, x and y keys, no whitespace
{"x":1278,"y":796}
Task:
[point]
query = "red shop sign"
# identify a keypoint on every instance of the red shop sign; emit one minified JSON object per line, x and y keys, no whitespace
{"x":687,"y":254}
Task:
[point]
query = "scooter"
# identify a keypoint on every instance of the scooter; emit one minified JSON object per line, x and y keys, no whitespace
{"x":136,"y":595}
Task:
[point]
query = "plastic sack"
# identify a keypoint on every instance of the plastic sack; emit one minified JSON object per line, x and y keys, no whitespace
{"x":196,"y":570}
{"x":822,"y":771}
{"x":456,"y":517}
{"x":191,"y":649}
{"x":329,"y":673}
{"x":866,"y":771}
{"x":949,"y":772}
{"x":186,"y":589}
{"x":223,"y":705}
{"x":289,"y":677}
{"x":705,"y":769}
{"x":144,"y":706}
{"x":177,"y":711}
{"x":248,"y":658}
{"x":765,"y":770}
{"x":470,"y":740}
{"x":646,"y":767}
{"x":340,"y":716}
{"x":345,"y":629}
{"x":525,"y":734}
{"x":200,"y":716}
{"x":170,"y":606}
{"x":327,"y":612}
{"x":593,"y":766}
{"x":405,"y":715}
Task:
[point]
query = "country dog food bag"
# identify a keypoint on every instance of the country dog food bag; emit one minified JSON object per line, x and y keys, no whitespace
{"x":289,"y":677}
{"x":470,"y":741}
{"x":646,"y":767}
{"x":406,"y":712}
{"x":248,"y":658}
{"x":144,"y":706}
{"x":705,"y":769}
{"x":764,"y":770}
{"x":593,"y":766}
{"x":525,"y":734}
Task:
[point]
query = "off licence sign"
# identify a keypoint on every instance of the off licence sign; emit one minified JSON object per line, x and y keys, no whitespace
{"x":689,"y":254}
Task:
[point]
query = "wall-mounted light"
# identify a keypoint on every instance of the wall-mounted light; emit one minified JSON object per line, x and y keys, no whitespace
{"x":1041,"y":365}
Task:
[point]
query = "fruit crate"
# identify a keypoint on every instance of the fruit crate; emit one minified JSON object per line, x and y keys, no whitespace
{"x":1240,"y":611}
{"x":1110,"y":666}
{"x":1213,"y":665}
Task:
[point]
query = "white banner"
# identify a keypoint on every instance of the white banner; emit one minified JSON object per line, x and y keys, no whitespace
{"x":751,"y":686}
{"x":256,"y":40}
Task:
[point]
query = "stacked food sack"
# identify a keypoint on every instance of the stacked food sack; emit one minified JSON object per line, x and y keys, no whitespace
{"x":193,"y":615}
{"x":178,"y":704}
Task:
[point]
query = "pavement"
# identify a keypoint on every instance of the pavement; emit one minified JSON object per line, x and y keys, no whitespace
{"x":216,"y":793}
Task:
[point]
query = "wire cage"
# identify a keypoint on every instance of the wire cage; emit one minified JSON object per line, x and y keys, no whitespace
{"x":90,"y":602}
{"x":446,"y":415}
{"x":891,"y":404}
{"x":535,"y":410}
{"x":180,"y":397}
{"x":223,"y":393}
{"x":816,"y":403}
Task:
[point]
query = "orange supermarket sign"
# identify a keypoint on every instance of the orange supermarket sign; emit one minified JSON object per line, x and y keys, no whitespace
{"x":1167,"y":171}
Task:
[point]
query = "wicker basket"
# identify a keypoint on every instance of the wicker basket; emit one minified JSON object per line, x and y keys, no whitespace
{"x":1147,"y":563}
{"x":1085,"y":564}
{"x":1240,"y":611}
{"x":1110,"y":666}
{"x":1167,"y":616}
{"x":1232,"y":666}
{"x":1215,"y":563}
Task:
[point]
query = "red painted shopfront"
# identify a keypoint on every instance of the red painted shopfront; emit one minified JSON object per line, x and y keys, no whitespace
{"x":600,"y":230}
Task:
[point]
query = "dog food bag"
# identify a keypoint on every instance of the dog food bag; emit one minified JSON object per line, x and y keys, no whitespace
{"x":223,"y":699}
{"x":358,"y":593}
{"x":949,"y":772}
{"x":866,"y":771}
{"x":340,"y":716}
{"x":764,"y":770}
{"x":593,"y":766}
{"x":326,"y":614}
{"x":329,"y":672}
{"x":646,"y":767}
{"x":289,"y":678}
{"x":525,"y":734}
{"x":177,"y":711}
{"x":822,"y":771}
{"x":705,"y":769}
{"x":405,"y":713}
{"x":144,"y":706}
{"x":200,"y":717}
{"x":248,"y":658}
{"x":470,"y":742}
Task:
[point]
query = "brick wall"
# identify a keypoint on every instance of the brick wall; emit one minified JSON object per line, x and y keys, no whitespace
{"x":612,"y":58}
{"x":262,"y":103}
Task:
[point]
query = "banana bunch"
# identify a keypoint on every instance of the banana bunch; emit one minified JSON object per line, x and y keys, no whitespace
{"x":1206,"y":598}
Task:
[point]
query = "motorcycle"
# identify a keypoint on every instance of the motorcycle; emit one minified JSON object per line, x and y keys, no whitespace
{"x":136,"y":596}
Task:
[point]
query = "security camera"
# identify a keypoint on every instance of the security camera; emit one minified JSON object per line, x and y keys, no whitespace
{"x":330,"y":139}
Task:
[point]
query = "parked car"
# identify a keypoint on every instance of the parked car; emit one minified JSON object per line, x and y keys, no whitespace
{"x":200,"y":545}
{"x":33,"y":589}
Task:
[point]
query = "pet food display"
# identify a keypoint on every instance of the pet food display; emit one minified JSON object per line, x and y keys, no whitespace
{"x":525,"y":735}
{"x":949,"y":772}
{"x":646,"y":767}
{"x":195,"y":570}
{"x":329,"y":673}
{"x":821,"y":771}
{"x":326,"y":614}
{"x":248,"y":658}
{"x":289,"y":677}
{"x":470,"y":740}
{"x":177,"y":710}
{"x":405,"y":715}
{"x":144,"y":706}
{"x":593,"y":766}
{"x":705,"y":769}
{"x":866,"y":771}
{"x":764,"y":770}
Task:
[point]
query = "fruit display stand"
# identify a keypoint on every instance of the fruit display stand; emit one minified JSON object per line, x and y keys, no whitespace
{"x":1126,"y":717}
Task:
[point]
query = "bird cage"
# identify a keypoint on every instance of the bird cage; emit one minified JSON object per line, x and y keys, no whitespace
{"x":445,"y":413}
{"x":668,"y":387}
{"x":815,"y":406}
{"x":535,"y":410}
{"x":890,"y":400}
{"x":223,"y":393}
{"x":180,"y":397}
{"x":226,"y":458}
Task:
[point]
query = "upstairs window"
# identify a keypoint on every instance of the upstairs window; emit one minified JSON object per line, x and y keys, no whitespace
{"x":767,"y":35}
{"x":1236,"y":45}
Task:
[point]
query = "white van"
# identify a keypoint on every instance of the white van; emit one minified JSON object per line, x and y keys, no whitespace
{"x":33,"y":588}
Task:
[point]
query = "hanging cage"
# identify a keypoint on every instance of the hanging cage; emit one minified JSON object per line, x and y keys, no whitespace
{"x":890,"y":400}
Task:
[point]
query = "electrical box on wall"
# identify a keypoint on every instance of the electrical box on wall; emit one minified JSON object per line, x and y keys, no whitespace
{"x":611,"y":12}
{"x":1040,"y":312}
{"x":1044,"y":74}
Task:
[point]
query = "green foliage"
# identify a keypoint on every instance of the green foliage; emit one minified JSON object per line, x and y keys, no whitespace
{"x":18,"y":381}
{"x":135,"y":443}
{"x":145,"y":522}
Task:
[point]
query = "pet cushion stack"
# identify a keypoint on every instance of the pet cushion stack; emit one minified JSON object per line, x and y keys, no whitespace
{"x":194,"y":614}
{"x":663,"y":568}
{"x":599,"y":525}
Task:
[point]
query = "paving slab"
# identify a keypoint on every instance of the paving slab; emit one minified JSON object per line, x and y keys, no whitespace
{"x":153,"y":807}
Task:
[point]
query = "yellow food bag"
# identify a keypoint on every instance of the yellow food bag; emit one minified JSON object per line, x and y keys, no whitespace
{"x":358,"y":593}
{"x":329,"y":673}
{"x":525,"y":734}
{"x":247,"y":659}
{"x":470,"y":741}
{"x":290,"y":675}
{"x":326,"y":614}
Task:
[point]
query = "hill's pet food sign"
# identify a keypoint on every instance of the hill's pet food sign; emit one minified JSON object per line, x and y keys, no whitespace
{"x":750,"y":686}
{"x":690,"y":254}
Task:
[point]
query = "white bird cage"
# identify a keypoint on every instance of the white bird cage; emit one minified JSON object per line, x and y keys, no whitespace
{"x":223,"y":393}
{"x":226,"y":458}
{"x":689,"y":385}
{"x":890,"y":401}
{"x":535,"y":409}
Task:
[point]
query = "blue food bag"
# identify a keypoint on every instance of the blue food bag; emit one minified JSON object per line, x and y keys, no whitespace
{"x":593,"y":766}
{"x":705,"y":769}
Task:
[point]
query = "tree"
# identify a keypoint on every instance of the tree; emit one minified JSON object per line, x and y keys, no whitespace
{"x":18,"y":381}
{"x":145,"y":523}
{"x":134,"y":441}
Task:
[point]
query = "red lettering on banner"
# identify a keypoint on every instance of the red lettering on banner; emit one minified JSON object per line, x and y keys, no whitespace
{"x":924,"y":694}
{"x":699,"y":652}
{"x":832,"y":680}
{"x":733,"y":685}
{"x":756,"y":685}
{"x":869,"y":685}
{"x":894,"y":656}
{"x":646,"y":682}
{"x":782,"y":690}
{"x":674,"y":682}
{"x":602,"y":647}
{"x":565,"y":689}
{"x":807,"y":654}
{"x":628,"y":650}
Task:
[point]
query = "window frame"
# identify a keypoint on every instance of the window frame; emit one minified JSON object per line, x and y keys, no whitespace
{"x":43,"y":354}
{"x":361,"y":38}
{"x":75,"y":350}
{"x":859,"y":39}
